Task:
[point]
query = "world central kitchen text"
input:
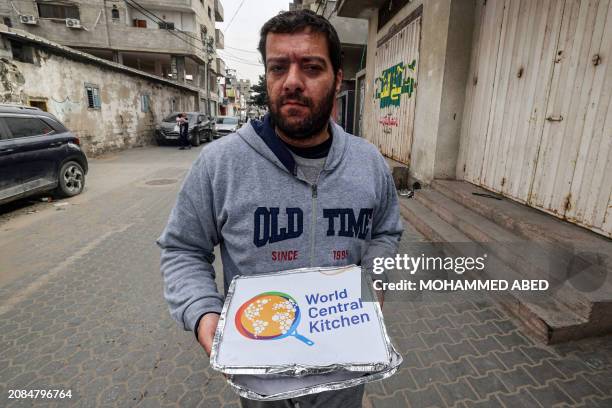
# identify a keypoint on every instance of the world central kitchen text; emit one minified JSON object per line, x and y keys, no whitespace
{"x":332,"y":311}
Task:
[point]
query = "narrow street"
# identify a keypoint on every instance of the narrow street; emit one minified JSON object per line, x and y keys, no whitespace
{"x":81,"y":298}
{"x":81,"y":310}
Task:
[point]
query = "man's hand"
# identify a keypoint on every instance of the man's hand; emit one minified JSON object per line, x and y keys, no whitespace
{"x":206,"y":330}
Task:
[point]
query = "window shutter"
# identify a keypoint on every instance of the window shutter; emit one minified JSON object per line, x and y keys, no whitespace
{"x":96,"y":97}
{"x":90,"y":97}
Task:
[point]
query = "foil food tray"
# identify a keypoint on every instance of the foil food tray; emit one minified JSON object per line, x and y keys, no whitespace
{"x":278,"y":387}
{"x":355,"y":372}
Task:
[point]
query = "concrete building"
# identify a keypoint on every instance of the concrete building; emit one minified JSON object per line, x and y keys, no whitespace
{"x":173,"y":39}
{"x":107,"y":105}
{"x":438,"y":100}
{"x":244,"y":87}
{"x":497,"y":106}
{"x":236,"y":93}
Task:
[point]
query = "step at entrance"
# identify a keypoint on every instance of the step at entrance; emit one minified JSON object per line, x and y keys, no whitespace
{"x":523,"y":245}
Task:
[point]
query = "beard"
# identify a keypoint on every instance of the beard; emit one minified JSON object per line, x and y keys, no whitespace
{"x":309,"y":126}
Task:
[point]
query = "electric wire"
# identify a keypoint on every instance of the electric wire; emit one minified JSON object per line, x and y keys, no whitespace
{"x":223,"y":52}
{"x":154,"y":17}
{"x":234,"y":16}
{"x":242,"y":49}
{"x":158,"y":19}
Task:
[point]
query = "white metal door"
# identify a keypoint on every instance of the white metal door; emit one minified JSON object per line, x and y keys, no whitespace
{"x":573,"y":176}
{"x":537,"y":120}
{"x":395,"y":92}
{"x":479,"y":90}
{"x":525,"y":62}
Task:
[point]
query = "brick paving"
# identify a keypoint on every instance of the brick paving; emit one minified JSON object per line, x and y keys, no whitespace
{"x":89,"y":316}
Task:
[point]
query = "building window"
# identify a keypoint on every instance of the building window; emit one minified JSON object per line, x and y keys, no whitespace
{"x":58,"y":11}
{"x":140,"y":23}
{"x":145,"y":103}
{"x":22,"y":52}
{"x":93,"y":96}
{"x":203,"y":32}
{"x":209,"y":12}
{"x":7,"y":21}
{"x":115,"y":13}
{"x":40,"y":104}
{"x":166,"y":25}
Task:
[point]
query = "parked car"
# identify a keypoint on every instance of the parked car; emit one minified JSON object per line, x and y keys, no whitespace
{"x":201,"y":128}
{"x":226,"y":125}
{"x":38,"y":154}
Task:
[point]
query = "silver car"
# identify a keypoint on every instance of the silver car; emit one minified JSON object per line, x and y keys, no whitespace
{"x":226,"y":125}
{"x":200,"y":129}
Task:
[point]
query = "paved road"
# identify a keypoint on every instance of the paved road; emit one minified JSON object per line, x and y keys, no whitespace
{"x":81,"y":309}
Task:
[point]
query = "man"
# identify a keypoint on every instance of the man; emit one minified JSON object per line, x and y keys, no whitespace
{"x":183,"y":122}
{"x":292,"y":191}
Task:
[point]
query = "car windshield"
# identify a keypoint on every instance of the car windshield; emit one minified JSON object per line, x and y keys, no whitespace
{"x":171,"y":118}
{"x":227,"y":121}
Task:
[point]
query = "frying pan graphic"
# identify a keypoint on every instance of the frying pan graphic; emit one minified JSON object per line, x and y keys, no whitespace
{"x":270,"y":316}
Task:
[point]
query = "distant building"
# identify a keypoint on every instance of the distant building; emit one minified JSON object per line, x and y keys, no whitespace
{"x":244,"y":85}
{"x":454,"y":90}
{"x":236,"y":95}
{"x":173,"y":39}
{"x":107,"y":105}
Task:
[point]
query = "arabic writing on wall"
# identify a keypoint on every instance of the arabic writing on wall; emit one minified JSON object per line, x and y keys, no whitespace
{"x":388,"y":122}
{"x":393,"y":83}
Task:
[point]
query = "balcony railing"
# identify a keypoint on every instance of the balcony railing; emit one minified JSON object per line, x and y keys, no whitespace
{"x":357,"y":8}
{"x":154,"y":40}
{"x":219,"y":39}
{"x":220,"y":67}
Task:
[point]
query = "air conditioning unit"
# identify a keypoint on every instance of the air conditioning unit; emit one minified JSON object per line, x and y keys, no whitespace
{"x":73,"y":23}
{"x":32,"y":20}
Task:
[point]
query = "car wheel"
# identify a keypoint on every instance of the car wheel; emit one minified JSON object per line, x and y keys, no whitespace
{"x":71,"y":179}
{"x":195,"y":140}
{"x":160,"y":142}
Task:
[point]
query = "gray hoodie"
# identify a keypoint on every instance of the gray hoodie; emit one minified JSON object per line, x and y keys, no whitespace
{"x":245,"y":193}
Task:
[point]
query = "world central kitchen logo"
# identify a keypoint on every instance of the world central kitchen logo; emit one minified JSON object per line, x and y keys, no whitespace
{"x":276,"y":315}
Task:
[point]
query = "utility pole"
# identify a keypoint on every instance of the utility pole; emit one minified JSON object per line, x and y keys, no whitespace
{"x":210,"y":51}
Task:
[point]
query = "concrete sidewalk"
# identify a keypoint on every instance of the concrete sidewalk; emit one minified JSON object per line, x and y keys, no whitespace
{"x":85,"y":313}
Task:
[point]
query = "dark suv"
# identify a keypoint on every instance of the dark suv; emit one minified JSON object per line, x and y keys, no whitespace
{"x":38,"y":154}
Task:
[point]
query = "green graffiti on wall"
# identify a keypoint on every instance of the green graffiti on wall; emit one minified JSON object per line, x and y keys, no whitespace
{"x":393,"y":82}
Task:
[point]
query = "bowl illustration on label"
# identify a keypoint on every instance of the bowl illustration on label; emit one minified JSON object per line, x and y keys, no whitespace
{"x":270,"y":316}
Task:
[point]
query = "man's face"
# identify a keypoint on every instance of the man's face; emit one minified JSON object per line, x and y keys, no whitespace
{"x":301,"y":82}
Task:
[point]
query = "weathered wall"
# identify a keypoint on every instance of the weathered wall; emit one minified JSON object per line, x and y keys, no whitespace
{"x":101,"y":31}
{"x":444,"y":61}
{"x":119,"y":123}
{"x":92,"y":16}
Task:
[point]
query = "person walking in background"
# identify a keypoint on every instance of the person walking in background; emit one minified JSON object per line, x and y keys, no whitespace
{"x":183,"y":124}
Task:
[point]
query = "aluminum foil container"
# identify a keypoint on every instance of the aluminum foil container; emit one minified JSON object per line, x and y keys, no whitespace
{"x":277,"y":387}
{"x":301,"y":372}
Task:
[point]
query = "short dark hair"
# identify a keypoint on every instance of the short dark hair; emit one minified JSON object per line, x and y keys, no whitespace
{"x":296,"y":21}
